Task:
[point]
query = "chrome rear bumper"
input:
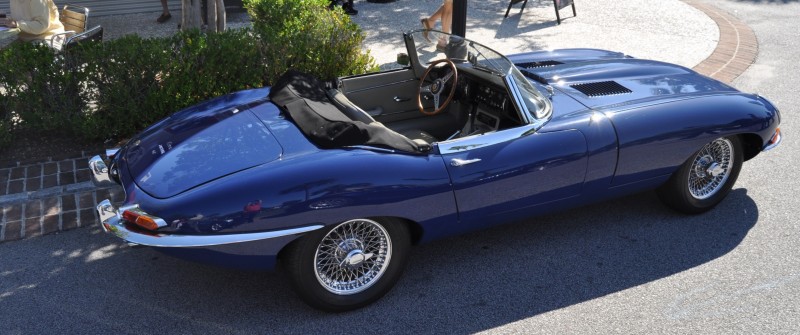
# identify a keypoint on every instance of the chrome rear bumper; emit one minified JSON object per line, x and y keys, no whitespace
{"x":111,"y":221}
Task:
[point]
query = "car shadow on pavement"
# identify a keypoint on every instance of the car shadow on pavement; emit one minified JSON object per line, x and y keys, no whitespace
{"x":84,"y":280}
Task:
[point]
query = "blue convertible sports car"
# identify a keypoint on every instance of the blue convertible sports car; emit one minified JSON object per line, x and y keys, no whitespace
{"x":336,"y":180}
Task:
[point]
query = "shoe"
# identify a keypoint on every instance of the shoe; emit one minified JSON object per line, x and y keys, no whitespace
{"x":164,"y":18}
{"x":427,"y":26}
{"x":441,"y":45}
{"x":349,"y":10}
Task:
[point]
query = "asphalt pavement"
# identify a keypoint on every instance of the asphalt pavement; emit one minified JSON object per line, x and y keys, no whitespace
{"x":624,"y":266}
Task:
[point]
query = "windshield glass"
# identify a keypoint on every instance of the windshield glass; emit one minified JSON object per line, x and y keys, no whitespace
{"x":438,"y":45}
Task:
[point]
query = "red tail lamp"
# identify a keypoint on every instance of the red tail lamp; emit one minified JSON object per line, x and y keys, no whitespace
{"x":141,"y":219}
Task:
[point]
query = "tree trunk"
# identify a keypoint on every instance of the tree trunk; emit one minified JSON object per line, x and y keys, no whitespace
{"x":215,"y":12}
{"x":222,"y":20}
{"x":191,"y":15}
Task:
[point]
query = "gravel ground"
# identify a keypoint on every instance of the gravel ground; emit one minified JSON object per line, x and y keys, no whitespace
{"x":145,"y":25}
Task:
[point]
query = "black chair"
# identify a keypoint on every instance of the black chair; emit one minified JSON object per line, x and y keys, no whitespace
{"x":514,"y":2}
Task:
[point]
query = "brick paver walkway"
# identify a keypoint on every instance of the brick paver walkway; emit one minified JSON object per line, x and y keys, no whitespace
{"x":51,"y":196}
{"x":45,"y":197}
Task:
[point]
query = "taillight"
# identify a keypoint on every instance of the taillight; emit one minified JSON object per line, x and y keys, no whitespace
{"x":776,"y":137}
{"x":142,"y":219}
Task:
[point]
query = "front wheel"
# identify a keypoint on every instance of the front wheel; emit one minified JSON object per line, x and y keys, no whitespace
{"x":348,"y":265}
{"x":705,"y":179}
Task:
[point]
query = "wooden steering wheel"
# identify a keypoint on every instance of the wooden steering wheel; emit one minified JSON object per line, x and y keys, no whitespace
{"x":437,"y":87}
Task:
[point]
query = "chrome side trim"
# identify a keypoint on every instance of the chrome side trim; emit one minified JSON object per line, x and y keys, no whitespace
{"x":778,"y":141}
{"x":461,"y":162}
{"x":99,"y":172}
{"x":481,"y":140}
{"x":112,"y":223}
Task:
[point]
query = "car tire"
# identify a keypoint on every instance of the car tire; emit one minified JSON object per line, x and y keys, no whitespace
{"x":371,"y":252}
{"x":705,"y":178}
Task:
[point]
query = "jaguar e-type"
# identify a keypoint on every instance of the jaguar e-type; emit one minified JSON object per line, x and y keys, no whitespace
{"x":337,"y":179}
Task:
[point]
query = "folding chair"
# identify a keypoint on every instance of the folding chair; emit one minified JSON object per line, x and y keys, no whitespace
{"x":92,"y":35}
{"x":75,"y":20}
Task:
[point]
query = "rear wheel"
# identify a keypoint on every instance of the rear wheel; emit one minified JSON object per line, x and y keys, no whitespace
{"x":705,"y":179}
{"x":348,"y":265}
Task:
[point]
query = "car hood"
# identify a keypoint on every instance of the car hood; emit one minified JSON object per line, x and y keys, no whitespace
{"x":200,"y":144}
{"x":598,"y":78}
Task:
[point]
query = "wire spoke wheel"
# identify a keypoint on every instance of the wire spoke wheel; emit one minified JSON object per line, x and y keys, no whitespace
{"x":353,"y":256}
{"x":711,"y":168}
{"x":705,"y":178}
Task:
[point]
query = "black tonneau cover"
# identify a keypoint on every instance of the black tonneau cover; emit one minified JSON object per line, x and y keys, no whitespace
{"x":303,"y":97}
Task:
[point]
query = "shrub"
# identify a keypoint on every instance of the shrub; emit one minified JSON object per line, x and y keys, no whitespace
{"x":305,"y":35}
{"x":115,"y":89}
{"x":37,"y":91}
{"x":144,"y":80}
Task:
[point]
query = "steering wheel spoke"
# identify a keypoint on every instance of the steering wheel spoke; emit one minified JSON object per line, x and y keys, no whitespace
{"x":437,"y":87}
{"x":448,"y":76}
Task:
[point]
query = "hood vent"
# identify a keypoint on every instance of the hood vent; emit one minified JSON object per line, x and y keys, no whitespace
{"x":601,"y":88}
{"x":544,"y":63}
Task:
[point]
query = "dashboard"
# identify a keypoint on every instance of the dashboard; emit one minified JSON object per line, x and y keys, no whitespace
{"x":489,"y":96}
{"x":492,"y":104}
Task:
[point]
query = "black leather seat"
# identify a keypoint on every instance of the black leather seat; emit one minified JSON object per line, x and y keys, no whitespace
{"x":355,"y":113}
{"x":347,"y":107}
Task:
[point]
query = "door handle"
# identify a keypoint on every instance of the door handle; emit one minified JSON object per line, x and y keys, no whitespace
{"x":400,"y":99}
{"x":462,"y":162}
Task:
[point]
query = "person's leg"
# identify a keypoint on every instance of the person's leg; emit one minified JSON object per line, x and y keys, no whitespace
{"x":430,"y":22}
{"x":447,"y":15}
{"x":436,"y":16}
{"x":164,"y":7}
{"x":165,"y":15}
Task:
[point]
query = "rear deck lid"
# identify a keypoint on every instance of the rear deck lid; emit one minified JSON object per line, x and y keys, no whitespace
{"x":191,"y":149}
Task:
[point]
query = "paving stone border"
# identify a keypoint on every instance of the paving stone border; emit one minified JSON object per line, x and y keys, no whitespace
{"x":737,"y":47}
{"x":50,"y":196}
{"x":39,"y":198}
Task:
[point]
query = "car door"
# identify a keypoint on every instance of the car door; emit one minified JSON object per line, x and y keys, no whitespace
{"x":387,"y":96}
{"x":514,"y":173}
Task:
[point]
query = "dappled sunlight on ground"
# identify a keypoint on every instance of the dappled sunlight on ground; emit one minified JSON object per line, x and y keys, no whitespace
{"x":597,"y":25}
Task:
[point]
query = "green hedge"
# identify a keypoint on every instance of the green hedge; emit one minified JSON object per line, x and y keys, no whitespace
{"x":307,"y":36}
{"x":114,"y":89}
{"x":143,"y":80}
